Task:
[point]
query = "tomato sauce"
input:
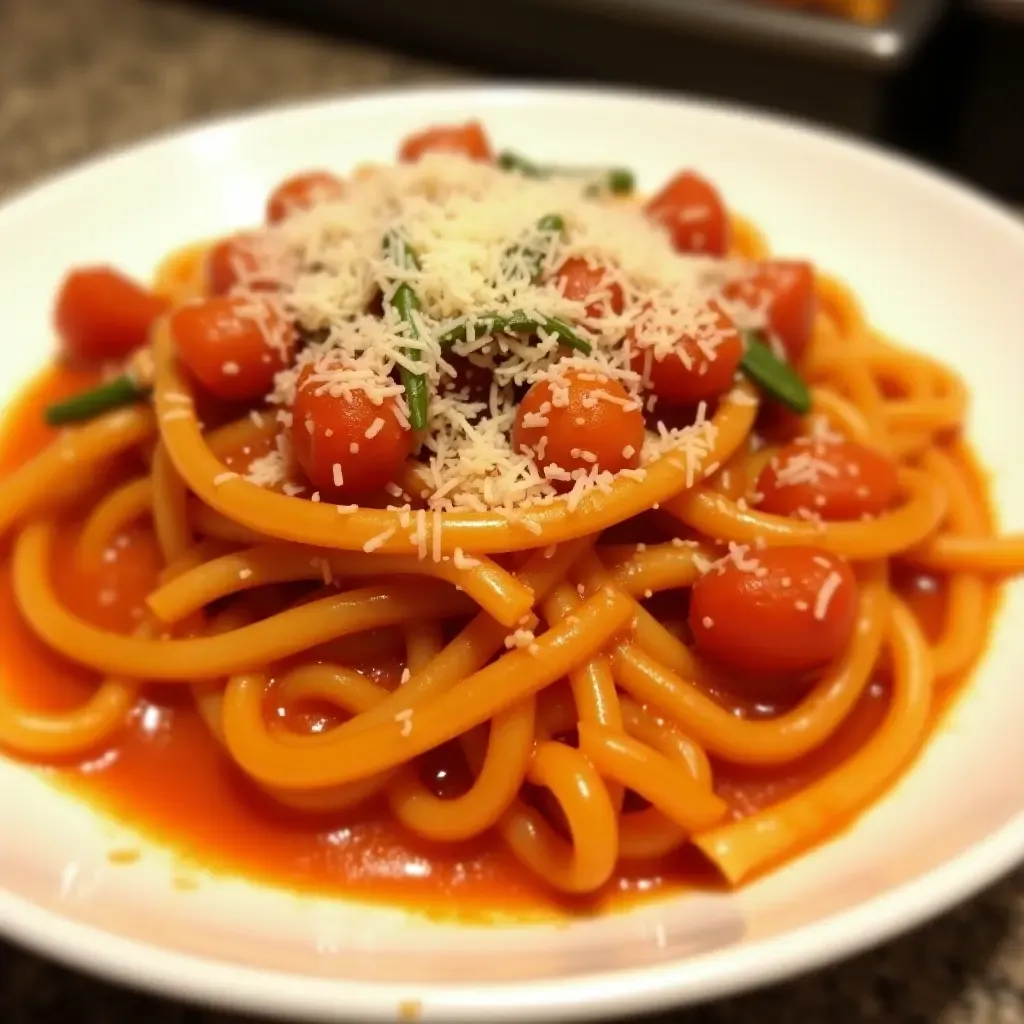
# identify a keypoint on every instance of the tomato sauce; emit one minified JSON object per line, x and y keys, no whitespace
{"x":168,"y":778}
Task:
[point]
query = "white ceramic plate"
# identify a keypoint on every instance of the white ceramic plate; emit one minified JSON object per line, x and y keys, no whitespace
{"x":935,"y":265}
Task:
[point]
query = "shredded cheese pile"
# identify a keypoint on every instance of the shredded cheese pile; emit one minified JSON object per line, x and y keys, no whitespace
{"x":480,"y":250}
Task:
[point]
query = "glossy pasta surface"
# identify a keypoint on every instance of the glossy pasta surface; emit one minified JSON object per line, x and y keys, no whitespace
{"x":728,"y":558}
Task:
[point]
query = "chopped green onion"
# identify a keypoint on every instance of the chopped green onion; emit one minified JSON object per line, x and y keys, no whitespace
{"x":616,"y":180}
{"x":550,"y":225}
{"x":406,"y":304}
{"x":619,"y":181}
{"x":509,"y":161}
{"x":777,"y":379}
{"x":398,"y":249}
{"x":517,"y":323}
{"x":122,"y":390}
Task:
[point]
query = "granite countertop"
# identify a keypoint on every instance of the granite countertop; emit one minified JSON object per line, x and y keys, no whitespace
{"x":78,"y":76}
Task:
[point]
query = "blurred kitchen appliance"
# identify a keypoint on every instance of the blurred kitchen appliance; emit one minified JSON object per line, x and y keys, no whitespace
{"x":878,"y":81}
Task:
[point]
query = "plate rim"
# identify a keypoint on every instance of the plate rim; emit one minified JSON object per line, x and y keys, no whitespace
{"x":674,"y":983}
{"x":218,"y":984}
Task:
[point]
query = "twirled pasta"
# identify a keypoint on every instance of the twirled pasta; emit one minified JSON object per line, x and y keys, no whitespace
{"x":550,"y":659}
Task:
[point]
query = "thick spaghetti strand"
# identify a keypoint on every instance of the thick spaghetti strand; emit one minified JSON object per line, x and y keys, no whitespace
{"x":510,"y":679}
{"x":208,"y":657}
{"x":746,"y":847}
{"x":65,"y":469}
{"x":317,"y":523}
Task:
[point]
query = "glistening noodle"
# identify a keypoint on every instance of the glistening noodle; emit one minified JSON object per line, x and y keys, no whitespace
{"x":509,"y":537}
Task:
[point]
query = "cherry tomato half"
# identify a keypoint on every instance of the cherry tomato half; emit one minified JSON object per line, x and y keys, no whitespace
{"x":347,"y":445}
{"x":237,"y":259}
{"x":578,"y":281}
{"x":232,"y":345}
{"x":302,"y":192}
{"x":776,"y":613}
{"x":694,"y":214}
{"x":467,"y":140}
{"x":699,"y":365}
{"x":101,"y":314}
{"x":785,"y":290}
{"x":837,"y":481}
{"x":579,"y":422}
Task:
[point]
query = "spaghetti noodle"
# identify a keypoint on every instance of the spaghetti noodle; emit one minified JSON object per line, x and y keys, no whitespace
{"x":475,"y":463}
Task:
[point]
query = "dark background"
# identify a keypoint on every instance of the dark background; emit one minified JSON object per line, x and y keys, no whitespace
{"x":951,"y":96}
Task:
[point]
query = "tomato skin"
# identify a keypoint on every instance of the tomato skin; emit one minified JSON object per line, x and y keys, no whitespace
{"x":301,"y":192}
{"x":692,"y":210}
{"x":227,"y":257}
{"x":614,"y":434}
{"x":685,"y":376}
{"x":763,"y":625}
{"x":785,"y":288}
{"x":225,"y":349}
{"x":221,"y":273}
{"x":778,"y":425}
{"x":324,"y":429}
{"x":850,"y":481}
{"x":102,"y":314}
{"x":577,"y":279}
{"x":468,"y":140}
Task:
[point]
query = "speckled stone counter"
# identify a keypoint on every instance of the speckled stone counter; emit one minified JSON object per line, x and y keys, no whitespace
{"x":79,"y":76}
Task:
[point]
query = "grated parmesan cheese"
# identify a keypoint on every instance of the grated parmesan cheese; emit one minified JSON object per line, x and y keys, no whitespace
{"x":463,"y":561}
{"x":380,"y":539}
{"x":475,"y":231}
{"x":519,"y":639}
{"x":404,"y":718}
{"x":803,"y":468}
{"x":825,"y":595}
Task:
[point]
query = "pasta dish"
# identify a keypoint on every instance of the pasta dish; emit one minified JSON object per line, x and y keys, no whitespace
{"x":477,"y":527}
